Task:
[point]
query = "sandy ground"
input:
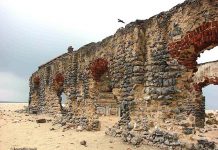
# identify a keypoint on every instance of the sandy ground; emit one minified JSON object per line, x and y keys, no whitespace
{"x":20,"y":130}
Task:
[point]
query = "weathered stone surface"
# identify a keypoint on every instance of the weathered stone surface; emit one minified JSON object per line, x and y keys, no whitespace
{"x":205,"y":144}
{"x":151,"y":72}
{"x":83,"y":143}
{"x":188,"y":130}
{"x":41,"y":120}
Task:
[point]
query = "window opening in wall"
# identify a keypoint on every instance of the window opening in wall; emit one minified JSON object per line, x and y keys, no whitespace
{"x":209,"y":88}
{"x":210,"y":93}
{"x":63,"y":99}
{"x":208,"y":56}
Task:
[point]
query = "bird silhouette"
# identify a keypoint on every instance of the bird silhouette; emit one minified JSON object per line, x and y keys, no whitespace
{"x":121,"y":21}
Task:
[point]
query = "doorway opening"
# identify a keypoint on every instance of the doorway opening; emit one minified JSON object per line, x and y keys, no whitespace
{"x":206,"y":79}
{"x":210,"y":93}
{"x":106,"y":101}
{"x":63,"y":99}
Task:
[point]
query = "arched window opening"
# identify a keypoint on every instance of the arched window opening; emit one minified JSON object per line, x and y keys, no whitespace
{"x":63,"y":99}
{"x":211,"y":105}
{"x":208,"y":56}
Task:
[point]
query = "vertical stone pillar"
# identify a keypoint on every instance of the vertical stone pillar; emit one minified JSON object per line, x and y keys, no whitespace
{"x":127,"y":87}
{"x":73,"y":80}
{"x":41,"y":101}
{"x":200,"y":111}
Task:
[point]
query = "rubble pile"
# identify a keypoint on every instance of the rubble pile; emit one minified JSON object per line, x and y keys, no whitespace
{"x":79,"y":123}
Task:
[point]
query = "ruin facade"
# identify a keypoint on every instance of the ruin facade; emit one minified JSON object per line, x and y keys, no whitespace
{"x":146,"y":70}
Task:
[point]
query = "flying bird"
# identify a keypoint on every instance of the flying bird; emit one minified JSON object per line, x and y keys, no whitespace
{"x":119,"y":20}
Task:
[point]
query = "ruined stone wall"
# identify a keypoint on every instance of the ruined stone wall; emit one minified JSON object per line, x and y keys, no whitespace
{"x":83,"y":91}
{"x":150,"y":68}
{"x":171,"y":43}
{"x":207,"y":72}
{"x":45,"y":95}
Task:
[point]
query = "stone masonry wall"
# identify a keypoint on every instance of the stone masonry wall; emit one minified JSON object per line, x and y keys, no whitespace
{"x":150,"y":68}
{"x":207,"y":72}
{"x":178,"y":38}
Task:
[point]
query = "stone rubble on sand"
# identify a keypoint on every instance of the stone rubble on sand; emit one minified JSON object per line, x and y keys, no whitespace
{"x":157,"y":138}
{"x":41,"y":120}
{"x":81,"y":123}
{"x":84,"y":143}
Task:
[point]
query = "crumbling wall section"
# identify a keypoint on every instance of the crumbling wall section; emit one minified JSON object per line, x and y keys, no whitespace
{"x":150,"y":68}
{"x":207,"y":72}
{"x":168,"y":46}
{"x":178,"y":37}
{"x":50,"y":88}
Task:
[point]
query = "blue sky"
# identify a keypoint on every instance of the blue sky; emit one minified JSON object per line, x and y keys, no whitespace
{"x":35,"y":31}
